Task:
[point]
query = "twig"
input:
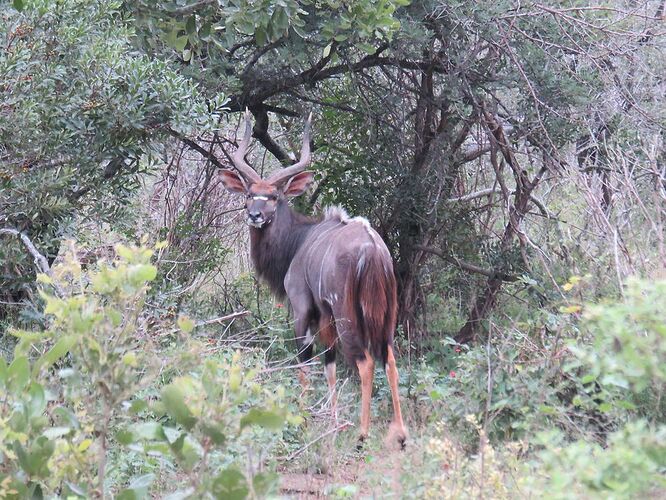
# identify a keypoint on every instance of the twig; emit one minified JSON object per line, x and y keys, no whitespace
{"x":222,"y":318}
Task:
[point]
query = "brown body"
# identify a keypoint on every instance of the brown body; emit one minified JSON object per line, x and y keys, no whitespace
{"x":336,"y":271}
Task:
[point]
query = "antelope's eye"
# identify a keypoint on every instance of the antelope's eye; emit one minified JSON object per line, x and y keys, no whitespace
{"x":272,"y":197}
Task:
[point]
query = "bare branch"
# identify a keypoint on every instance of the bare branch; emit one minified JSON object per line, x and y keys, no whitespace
{"x":41,"y":263}
{"x":466,"y":266}
{"x":222,"y":319}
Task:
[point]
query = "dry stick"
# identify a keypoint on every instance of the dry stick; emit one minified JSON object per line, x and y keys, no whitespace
{"x":223,"y":318}
{"x":40,"y":261}
{"x":340,"y":427}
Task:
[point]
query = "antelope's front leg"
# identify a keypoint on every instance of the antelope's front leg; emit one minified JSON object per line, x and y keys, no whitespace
{"x":304,"y":341}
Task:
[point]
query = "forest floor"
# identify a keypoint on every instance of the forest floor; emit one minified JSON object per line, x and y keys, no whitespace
{"x":332,"y":464}
{"x":372,"y":475}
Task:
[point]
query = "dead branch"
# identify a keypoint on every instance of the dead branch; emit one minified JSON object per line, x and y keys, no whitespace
{"x":41,"y":263}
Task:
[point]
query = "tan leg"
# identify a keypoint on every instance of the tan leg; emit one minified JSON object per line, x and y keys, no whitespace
{"x":329,"y":370}
{"x":366,"y":370}
{"x":398,"y":429}
{"x":303,"y":379}
{"x":328,"y":336}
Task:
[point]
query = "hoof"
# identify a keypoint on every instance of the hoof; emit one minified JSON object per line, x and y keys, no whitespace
{"x":397,"y":434}
{"x":360,"y":442}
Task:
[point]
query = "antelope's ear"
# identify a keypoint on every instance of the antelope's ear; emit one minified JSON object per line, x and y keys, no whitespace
{"x":298,"y":184}
{"x":232,"y":181}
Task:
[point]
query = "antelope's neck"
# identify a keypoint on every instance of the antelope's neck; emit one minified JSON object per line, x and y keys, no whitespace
{"x":274,"y":246}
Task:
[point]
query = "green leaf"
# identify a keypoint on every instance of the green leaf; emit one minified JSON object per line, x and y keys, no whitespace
{"x":605,"y":407}
{"x":138,"y":406}
{"x":615,"y":379}
{"x":124,"y":252}
{"x":367,"y":48}
{"x":185,"y":324}
{"x":142,"y":273}
{"x":19,"y":5}
{"x":149,"y":430}
{"x":4,"y":376}
{"x":180,"y":494}
{"x":263,"y":418}
{"x":59,"y":349}
{"x":37,"y":403}
{"x":56,"y":432}
{"x":279,"y":21}
{"x":230,"y":484}
{"x":548,"y":410}
{"x":66,"y":416}
{"x":191,"y":24}
{"x":264,"y":484}
{"x":260,"y":37}
{"x":214,"y":433}
{"x":180,"y":43}
{"x":19,"y":374}
{"x":138,"y":488}
{"x":174,"y":402}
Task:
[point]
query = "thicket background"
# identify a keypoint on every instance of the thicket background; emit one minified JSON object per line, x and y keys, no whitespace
{"x":511,"y":155}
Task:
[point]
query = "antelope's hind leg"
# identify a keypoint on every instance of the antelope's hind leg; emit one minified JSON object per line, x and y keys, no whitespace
{"x":366,"y":371}
{"x":328,"y":336}
{"x":397,"y":430}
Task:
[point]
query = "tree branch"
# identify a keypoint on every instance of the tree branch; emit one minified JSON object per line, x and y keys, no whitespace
{"x":466,"y":266}
{"x":260,"y":132}
{"x":41,"y":263}
{"x":196,"y":147}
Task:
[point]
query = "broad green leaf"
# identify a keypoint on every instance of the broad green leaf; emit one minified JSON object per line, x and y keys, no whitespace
{"x":214,"y":433}
{"x":230,"y":484}
{"x":18,"y":374}
{"x":180,"y":43}
{"x":37,"y":403}
{"x":180,"y":494}
{"x":19,"y":5}
{"x":263,"y":418}
{"x":44,"y":278}
{"x":56,"y":432}
{"x":367,"y":48}
{"x":138,"y":488}
{"x":185,"y":323}
{"x":191,"y":24}
{"x":138,"y":406}
{"x":124,"y":252}
{"x":149,"y":430}
{"x":174,"y":402}
{"x":66,"y":416}
{"x":4,"y":376}
{"x":141,"y":273}
{"x":265,"y":484}
{"x":59,"y":349}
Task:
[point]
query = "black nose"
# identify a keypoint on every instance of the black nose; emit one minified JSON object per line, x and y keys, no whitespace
{"x":254,"y":215}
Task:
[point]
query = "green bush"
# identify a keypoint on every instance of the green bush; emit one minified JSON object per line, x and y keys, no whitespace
{"x":623,"y":354}
{"x":88,"y":387}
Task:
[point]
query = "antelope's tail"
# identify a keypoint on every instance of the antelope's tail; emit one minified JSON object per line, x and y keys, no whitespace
{"x":371,"y":303}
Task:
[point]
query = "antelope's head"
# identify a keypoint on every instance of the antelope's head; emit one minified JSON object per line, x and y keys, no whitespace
{"x":263,"y":195}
